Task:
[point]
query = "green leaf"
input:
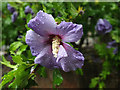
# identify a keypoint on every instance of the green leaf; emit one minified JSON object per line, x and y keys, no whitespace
{"x":21,"y":49}
{"x":15,"y":45}
{"x":29,"y":54}
{"x":7,"y":78}
{"x":17,"y":59}
{"x":12,"y":52}
{"x":21,"y":77}
{"x":106,"y":65}
{"x":13,"y":4}
{"x":70,"y":44}
{"x":44,"y":8}
{"x":79,"y":71}
{"x":94,"y":82}
{"x":7,"y":21}
{"x":21,"y":39}
{"x":58,"y":19}
{"x":7,"y":63}
{"x":28,"y":17}
{"x":104,"y":74}
{"x":103,"y":51}
{"x":73,"y":11}
{"x":22,"y":14}
{"x":76,"y":49}
{"x":116,"y":35}
{"x":101,"y":85}
{"x":57,"y":78}
{"x":42,"y":71}
{"x":27,"y":27}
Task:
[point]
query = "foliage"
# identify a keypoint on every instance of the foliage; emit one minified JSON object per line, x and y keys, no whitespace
{"x":13,"y":34}
{"x":57,"y":78}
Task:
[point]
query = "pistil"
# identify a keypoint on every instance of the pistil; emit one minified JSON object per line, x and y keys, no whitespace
{"x":55,"y":45}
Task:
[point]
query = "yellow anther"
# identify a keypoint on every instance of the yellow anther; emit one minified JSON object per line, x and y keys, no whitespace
{"x":70,"y":17}
{"x":55,"y":46}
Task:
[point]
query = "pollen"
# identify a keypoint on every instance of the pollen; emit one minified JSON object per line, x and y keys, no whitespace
{"x":55,"y":45}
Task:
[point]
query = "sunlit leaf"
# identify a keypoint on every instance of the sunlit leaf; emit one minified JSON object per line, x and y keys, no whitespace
{"x":7,"y":78}
{"x":7,"y":63}
{"x":17,"y":59}
{"x":15,"y":45}
{"x":21,"y":49}
{"x":21,"y":77}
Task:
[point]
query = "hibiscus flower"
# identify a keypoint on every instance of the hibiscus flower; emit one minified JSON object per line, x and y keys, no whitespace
{"x":103,"y":26}
{"x":47,"y":42}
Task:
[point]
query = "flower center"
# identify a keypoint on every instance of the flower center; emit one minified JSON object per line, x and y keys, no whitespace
{"x":55,"y":45}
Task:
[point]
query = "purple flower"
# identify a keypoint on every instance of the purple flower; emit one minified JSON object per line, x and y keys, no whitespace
{"x":47,"y":42}
{"x":103,"y":26}
{"x":115,"y":50}
{"x":28,"y":10}
{"x":11,"y":9}
{"x":113,"y":44}
{"x":14,"y":16}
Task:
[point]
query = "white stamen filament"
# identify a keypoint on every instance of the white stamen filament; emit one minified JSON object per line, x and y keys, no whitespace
{"x":55,"y":46}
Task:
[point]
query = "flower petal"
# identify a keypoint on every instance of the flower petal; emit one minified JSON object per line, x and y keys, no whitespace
{"x":10,"y":8}
{"x":28,"y":10}
{"x":14,"y":16}
{"x":35,"y":41}
{"x":103,"y":26}
{"x":43,"y":24}
{"x":70,"y":32}
{"x":74,"y":60}
{"x":115,"y":50}
{"x":45,"y":58}
{"x":61,"y":53}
